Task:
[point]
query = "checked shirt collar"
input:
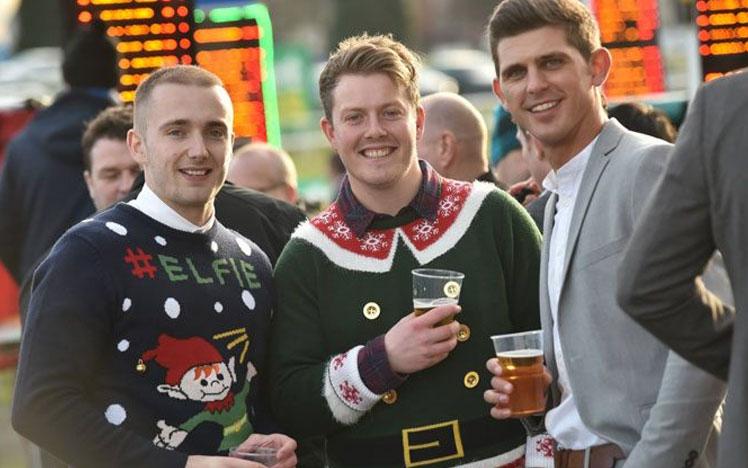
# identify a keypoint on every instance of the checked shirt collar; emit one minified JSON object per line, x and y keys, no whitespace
{"x":425,"y":203}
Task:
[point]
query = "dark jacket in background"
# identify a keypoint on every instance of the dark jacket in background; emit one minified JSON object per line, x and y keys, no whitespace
{"x":42,"y":191}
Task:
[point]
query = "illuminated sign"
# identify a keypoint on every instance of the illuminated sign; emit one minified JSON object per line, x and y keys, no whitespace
{"x":723,"y":36}
{"x":629,"y":30}
{"x":236,"y":43}
{"x":150,"y":34}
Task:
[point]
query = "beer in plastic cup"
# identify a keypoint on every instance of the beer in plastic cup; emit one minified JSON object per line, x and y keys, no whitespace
{"x":433,"y":288}
{"x":521,"y":358}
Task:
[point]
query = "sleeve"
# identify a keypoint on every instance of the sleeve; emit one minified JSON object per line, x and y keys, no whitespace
{"x":681,"y":419}
{"x":519,"y":248}
{"x":306,"y":380}
{"x":67,"y":332}
{"x":671,"y":244}
{"x":11,"y":222}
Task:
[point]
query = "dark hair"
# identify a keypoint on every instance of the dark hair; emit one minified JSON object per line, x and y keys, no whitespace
{"x":365,"y":55}
{"x":513,"y":17}
{"x":90,"y":59}
{"x":644,"y":118}
{"x":188,"y":75}
{"x":112,"y":123}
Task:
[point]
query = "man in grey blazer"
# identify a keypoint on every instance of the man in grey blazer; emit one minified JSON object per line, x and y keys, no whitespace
{"x":619,"y":397}
{"x":700,"y":204}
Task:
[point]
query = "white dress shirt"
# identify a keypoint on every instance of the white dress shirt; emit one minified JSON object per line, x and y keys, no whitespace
{"x":563,"y":422}
{"x":151,"y":205}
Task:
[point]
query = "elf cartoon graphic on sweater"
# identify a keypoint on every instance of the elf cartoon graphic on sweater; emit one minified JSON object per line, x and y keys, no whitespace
{"x":196,"y":371}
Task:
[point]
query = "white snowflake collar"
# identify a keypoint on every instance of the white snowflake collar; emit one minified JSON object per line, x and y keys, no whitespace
{"x":375,"y":250}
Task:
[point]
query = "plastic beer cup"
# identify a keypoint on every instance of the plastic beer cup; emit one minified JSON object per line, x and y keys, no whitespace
{"x":432,"y":288}
{"x":521,"y":358}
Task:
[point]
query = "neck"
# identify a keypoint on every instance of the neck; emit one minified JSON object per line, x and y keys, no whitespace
{"x":562,"y":152}
{"x":196,"y":215}
{"x":390,"y":199}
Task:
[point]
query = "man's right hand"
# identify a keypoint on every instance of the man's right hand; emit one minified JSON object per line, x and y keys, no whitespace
{"x":501,"y":390}
{"x":202,"y":461}
{"x":416,"y":343}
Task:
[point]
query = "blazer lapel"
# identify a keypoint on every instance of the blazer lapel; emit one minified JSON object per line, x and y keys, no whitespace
{"x":610,"y":136}
{"x":546,"y":320}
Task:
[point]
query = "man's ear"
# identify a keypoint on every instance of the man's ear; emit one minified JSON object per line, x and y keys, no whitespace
{"x":328,"y":130}
{"x":136,"y":145}
{"x":89,"y":181}
{"x":496,"y":85}
{"x":172,"y":390}
{"x":447,"y":148}
{"x":420,"y":119}
{"x":600,"y":63}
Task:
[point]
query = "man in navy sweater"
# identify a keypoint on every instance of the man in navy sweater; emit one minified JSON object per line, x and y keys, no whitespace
{"x":146,"y":331}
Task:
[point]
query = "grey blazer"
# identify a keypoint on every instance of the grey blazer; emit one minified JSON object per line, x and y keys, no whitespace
{"x":629,"y":389}
{"x":700,"y":204}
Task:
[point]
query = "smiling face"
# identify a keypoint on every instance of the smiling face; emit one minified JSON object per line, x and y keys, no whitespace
{"x":551,"y":90}
{"x":207,"y":383}
{"x":186,"y":147}
{"x":374,"y":129}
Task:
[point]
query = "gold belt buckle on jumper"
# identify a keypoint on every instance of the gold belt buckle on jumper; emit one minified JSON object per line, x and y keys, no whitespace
{"x":431,"y":444}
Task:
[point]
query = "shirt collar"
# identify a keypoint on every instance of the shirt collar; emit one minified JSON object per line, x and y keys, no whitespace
{"x":425,"y":203}
{"x":151,"y":205}
{"x":566,"y":179}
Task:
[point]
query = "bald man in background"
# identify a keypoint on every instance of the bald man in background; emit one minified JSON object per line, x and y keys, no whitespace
{"x":266,"y":169}
{"x":455,"y":139}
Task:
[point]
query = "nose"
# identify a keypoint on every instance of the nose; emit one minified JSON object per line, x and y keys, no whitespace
{"x":535,"y":80}
{"x":197,"y":147}
{"x":374,"y":128}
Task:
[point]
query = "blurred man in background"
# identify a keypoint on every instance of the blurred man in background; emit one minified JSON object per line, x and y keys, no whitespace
{"x":506,"y":152}
{"x":266,"y":169}
{"x":110,"y":169}
{"x":42,"y":190}
{"x":455,"y":140}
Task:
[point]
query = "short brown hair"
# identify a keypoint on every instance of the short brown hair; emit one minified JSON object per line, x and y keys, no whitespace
{"x":365,"y":55}
{"x":112,"y":123}
{"x":513,"y":17}
{"x":188,"y":75}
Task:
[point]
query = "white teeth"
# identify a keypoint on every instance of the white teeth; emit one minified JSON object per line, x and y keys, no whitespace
{"x":544,"y":106}
{"x":376,"y":153}
{"x":195,"y":172}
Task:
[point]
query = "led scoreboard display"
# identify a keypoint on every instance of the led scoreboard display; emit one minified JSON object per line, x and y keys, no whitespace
{"x":628,"y":28}
{"x":149,"y":33}
{"x":233,"y":40}
{"x":723,"y":36}
{"x":236,"y":43}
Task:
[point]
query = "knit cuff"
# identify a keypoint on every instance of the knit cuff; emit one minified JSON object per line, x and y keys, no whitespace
{"x":539,"y":451}
{"x":345,"y":392}
{"x":375,"y":370}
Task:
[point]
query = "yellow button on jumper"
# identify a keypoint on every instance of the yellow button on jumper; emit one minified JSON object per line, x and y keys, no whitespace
{"x":372,"y":310}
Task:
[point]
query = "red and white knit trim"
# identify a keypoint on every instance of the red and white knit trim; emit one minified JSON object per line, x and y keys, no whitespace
{"x":375,"y":252}
{"x":345,"y":392}
{"x":539,"y":451}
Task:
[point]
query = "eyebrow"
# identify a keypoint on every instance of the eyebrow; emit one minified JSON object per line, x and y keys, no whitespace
{"x":183,"y":122}
{"x":550,"y":55}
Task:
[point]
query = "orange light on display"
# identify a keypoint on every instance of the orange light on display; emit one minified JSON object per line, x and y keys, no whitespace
{"x":149,"y":34}
{"x":723,"y":36}
{"x":629,"y":30}
{"x":228,"y":40}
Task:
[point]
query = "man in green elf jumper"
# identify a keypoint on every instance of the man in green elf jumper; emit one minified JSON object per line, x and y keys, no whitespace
{"x":148,"y":320}
{"x":348,"y":358}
